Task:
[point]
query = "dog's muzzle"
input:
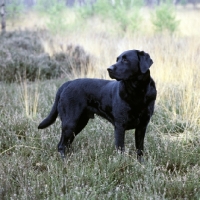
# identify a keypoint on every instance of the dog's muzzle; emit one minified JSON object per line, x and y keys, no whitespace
{"x":112,"y":72}
{"x":111,"y":69}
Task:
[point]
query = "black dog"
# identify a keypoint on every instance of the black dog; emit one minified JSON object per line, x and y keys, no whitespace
{"x":127,"y":103}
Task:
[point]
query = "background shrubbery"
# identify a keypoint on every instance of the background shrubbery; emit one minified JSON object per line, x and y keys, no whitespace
{"x":124,"y":14}
{"x":22,"y":55}
{"x":164,"y":18}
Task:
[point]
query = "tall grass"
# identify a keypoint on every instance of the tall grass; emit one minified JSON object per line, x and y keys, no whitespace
{"x":30,"y":166}
{"x":29,"y":97}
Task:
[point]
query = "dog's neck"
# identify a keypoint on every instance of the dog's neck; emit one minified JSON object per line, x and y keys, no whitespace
{"x":135,"y":86}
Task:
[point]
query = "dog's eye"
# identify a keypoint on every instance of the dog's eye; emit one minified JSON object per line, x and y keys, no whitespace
{"x":124,"y":60}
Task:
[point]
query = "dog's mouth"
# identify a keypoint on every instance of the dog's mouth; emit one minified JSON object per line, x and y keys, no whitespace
{"x":111,"y":73}
{"x":112,"y":76}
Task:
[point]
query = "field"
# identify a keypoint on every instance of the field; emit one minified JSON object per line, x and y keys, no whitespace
{"x":31,"y":168}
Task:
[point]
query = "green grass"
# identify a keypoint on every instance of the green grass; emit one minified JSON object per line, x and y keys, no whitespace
{"x":31,"y":168}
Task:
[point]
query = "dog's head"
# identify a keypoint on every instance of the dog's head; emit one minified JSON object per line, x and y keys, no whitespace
{"x":130,"y":64}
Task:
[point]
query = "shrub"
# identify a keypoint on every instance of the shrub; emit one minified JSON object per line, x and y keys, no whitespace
{"x":127,"y":14}
{"x":123,"y":13}
{"x":164,"y":18}
{"x":22,"y":55}
{"x":55,"y":12}
{"x":75,"y":58}
{"x":14,"y":10}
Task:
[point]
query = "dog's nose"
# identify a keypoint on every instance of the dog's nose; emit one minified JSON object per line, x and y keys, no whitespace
{"x":111,"y":68}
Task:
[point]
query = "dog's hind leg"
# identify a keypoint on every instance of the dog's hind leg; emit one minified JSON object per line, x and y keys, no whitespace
{"x":82,"y":122}
{"x":68,"y":134}
{"x":67,"y":137}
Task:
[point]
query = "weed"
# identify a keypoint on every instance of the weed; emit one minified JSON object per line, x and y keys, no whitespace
{"x":29,"y":98}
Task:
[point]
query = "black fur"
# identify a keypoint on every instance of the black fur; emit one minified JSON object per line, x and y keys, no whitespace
{"x":127,"y":103}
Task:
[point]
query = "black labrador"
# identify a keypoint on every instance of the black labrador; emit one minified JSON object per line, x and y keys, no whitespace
{"x":127,"y":103}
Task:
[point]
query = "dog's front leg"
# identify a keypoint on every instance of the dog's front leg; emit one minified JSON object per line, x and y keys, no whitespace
{"x":139,"y":142}
{"x":119,"y":138}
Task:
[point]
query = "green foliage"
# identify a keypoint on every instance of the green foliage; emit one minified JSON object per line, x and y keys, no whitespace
{"x":99,"y":8}
{"x":183,"y":2}
{"x":164,"y":18}
{"x":14,"y":10}
{"x":119,"y":14}
{"x":57,"y":23}
{"x":55,"y":12}
{"x":125,"y":14}
{"x":128,"y":4}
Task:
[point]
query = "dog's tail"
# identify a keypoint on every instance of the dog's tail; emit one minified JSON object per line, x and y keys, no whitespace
{"x":51,"y":118}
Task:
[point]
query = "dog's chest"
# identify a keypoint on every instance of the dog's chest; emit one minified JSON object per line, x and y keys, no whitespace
{"x":134,"y":116}
{"x":131,"y":116}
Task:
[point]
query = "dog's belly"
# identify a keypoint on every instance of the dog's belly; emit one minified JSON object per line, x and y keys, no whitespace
{"x":100,"y":107}
{"x":107,"y":113}
{"x":132,"y":124}
{"x":129,"y":123}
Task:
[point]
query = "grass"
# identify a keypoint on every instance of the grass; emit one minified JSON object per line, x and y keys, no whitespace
{"x":30,"y":166}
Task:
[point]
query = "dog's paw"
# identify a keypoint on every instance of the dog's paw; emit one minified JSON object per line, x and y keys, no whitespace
{"x":62,"y":154}
{"x":140,"y":159}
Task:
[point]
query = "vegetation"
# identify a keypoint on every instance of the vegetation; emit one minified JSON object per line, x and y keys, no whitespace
{"x":34,"y":62}
{"x":125,"y":14}
{"x":164,"y":18}
{"x":54,"y":10}
{"x":22,"y":56}
{"x":14,"y":10}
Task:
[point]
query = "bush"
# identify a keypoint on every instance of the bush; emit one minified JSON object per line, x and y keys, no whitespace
{"x":124,"y":13}
{"x":55,"y":11}
{"x":75,"y":58}
{"x":127,"y":14}
{"x":14,"y":10}
{"x":164,"y":18}
{"x":22,"y":55}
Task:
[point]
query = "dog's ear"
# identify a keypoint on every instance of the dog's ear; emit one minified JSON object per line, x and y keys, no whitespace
{"x":145,"y":61}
